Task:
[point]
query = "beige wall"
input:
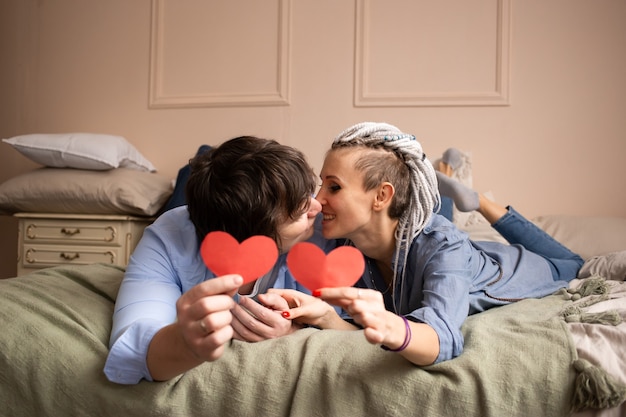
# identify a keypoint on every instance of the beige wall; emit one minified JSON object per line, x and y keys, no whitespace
{"x":534,"y":89}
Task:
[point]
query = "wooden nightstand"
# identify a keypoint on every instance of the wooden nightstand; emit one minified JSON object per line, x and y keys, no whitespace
{"x":46,"y":239}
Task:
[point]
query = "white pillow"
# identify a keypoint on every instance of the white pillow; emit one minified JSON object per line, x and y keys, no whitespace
{"x":81,"y":151}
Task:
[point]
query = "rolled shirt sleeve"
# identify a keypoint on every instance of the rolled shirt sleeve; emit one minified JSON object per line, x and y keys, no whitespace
{"x":164,"y":265}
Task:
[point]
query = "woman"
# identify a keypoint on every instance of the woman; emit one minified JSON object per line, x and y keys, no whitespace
{"x":423,"y":276}
{"x":172,"y":313}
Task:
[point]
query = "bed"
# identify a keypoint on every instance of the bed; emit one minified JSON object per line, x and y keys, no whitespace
{"x":537,"y":357}
{"x":555,"y":356}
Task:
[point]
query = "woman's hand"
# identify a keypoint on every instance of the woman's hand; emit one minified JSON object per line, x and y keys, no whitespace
{"x":313,"y":311}
{"x":367,"y":308}
{"x":380,"y":326}
{"x":254,"y":322}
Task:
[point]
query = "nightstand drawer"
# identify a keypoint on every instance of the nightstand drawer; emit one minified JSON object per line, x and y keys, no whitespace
{"x":82,"y":232}
{"x":43,"y":256}
{"x":50,"y":239}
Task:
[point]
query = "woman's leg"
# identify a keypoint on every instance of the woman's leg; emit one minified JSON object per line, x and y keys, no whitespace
{"x":516,"y":229}
{"x":490,"y":210}
{"x":446,"y":208}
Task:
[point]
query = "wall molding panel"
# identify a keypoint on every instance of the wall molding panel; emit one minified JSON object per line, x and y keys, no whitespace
{"x":458,"y":53}
{"x":189,"y":66}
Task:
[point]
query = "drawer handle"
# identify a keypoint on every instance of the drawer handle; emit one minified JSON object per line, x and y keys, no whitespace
{"x":70,"y":232}
{"x":30,"y":256}
{"x":31,"y":231}
{"x":68,"y":257}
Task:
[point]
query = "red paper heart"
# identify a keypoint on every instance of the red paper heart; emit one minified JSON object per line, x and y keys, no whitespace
{"x":311,"y":267}
{"x":251,"y":259}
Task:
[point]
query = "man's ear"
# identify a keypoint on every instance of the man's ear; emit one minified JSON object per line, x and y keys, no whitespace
{"x":384,"y":196}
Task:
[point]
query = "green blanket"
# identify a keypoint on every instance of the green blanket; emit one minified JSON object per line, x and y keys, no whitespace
{"x":55,"y":331}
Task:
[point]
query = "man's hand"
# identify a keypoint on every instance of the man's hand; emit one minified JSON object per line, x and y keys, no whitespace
{"x":201,"y":331}
{"x":254,"y":322}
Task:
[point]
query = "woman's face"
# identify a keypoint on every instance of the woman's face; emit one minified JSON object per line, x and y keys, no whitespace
{"x":297,"y":230}
{"x":346,"y":206}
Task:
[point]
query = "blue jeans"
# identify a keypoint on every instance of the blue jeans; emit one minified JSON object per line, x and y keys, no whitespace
{"x":446,"y":207}
{"x":516,"y":229}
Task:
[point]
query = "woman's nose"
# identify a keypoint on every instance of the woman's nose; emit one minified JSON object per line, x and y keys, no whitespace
{"x":319,"y":196}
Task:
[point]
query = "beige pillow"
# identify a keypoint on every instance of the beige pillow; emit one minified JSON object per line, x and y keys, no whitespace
{"x":587,"y":236}
{"x":66,"y":190}
{"x":610,"y":266}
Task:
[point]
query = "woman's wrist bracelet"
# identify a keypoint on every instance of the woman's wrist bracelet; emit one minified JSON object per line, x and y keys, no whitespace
{"x":407,"y":338}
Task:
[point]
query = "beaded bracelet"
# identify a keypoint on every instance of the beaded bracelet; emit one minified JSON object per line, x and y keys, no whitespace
{"x":407,"y":338}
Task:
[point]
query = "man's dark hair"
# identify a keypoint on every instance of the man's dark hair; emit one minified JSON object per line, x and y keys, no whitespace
{"x":248,"y":186}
